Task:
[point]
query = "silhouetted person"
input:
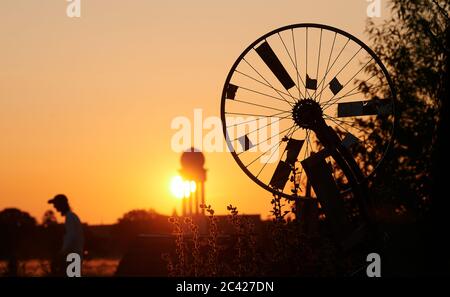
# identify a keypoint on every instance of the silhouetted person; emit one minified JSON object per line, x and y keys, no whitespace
{"x":73,"y":237}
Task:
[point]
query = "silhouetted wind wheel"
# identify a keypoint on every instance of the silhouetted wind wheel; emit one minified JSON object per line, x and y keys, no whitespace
{"x":309,"y":99}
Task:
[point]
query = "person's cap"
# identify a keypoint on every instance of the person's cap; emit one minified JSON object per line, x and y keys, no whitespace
{"x":60,"y":198}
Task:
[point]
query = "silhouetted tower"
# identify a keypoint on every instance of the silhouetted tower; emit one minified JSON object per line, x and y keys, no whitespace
{"x":192,"y":162}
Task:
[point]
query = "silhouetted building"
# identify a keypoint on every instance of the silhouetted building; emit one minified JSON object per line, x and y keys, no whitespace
{"x":192,"y":169}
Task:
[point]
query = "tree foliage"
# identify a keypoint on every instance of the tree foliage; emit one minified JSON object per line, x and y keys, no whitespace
{"x":412,"y":45}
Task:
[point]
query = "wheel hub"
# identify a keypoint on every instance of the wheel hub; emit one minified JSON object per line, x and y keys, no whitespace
{"x":307,"y":113}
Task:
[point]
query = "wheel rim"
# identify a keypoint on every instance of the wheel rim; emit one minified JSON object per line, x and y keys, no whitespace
{"x":321,"y":64}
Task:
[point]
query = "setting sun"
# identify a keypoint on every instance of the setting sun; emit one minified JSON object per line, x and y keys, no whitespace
{"x":181,"y":188}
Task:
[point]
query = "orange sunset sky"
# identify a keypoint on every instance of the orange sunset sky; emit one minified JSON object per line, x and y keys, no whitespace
{"x":86,"y":103}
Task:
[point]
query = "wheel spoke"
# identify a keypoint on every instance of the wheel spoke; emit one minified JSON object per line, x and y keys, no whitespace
{"x":318,"y":63}
{"x":331,"y":67}
{"x":350,"y":124}
{"x":262,"y":83}
{"x":252,"y":114}
{"x":295,"y":65}
{"x":336,"y":100}
{"x":364,"y":141}
{"x":246,"y":166}
{"x":328,"y":64}
{"x":259,"y":105}
{"x":259,"y":128}
{"x":270,"y":158}
{"x":252,"y":120}
{"x":306,"y":64}
{"x":346,"y":64}
{"x":260,"y":75}
{"x":325,"y":103}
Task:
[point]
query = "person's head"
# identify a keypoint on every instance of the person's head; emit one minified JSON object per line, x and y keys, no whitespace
{"x":60,"y":203}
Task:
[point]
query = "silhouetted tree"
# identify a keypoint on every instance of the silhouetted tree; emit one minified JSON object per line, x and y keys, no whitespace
{"x":137,"y":216}
{"x":413,"y":43}
{"x":137,"y":222}
{"x":15,"y":226}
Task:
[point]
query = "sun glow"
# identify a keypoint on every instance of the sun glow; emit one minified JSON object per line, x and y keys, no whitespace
{"x":182,"y":188}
